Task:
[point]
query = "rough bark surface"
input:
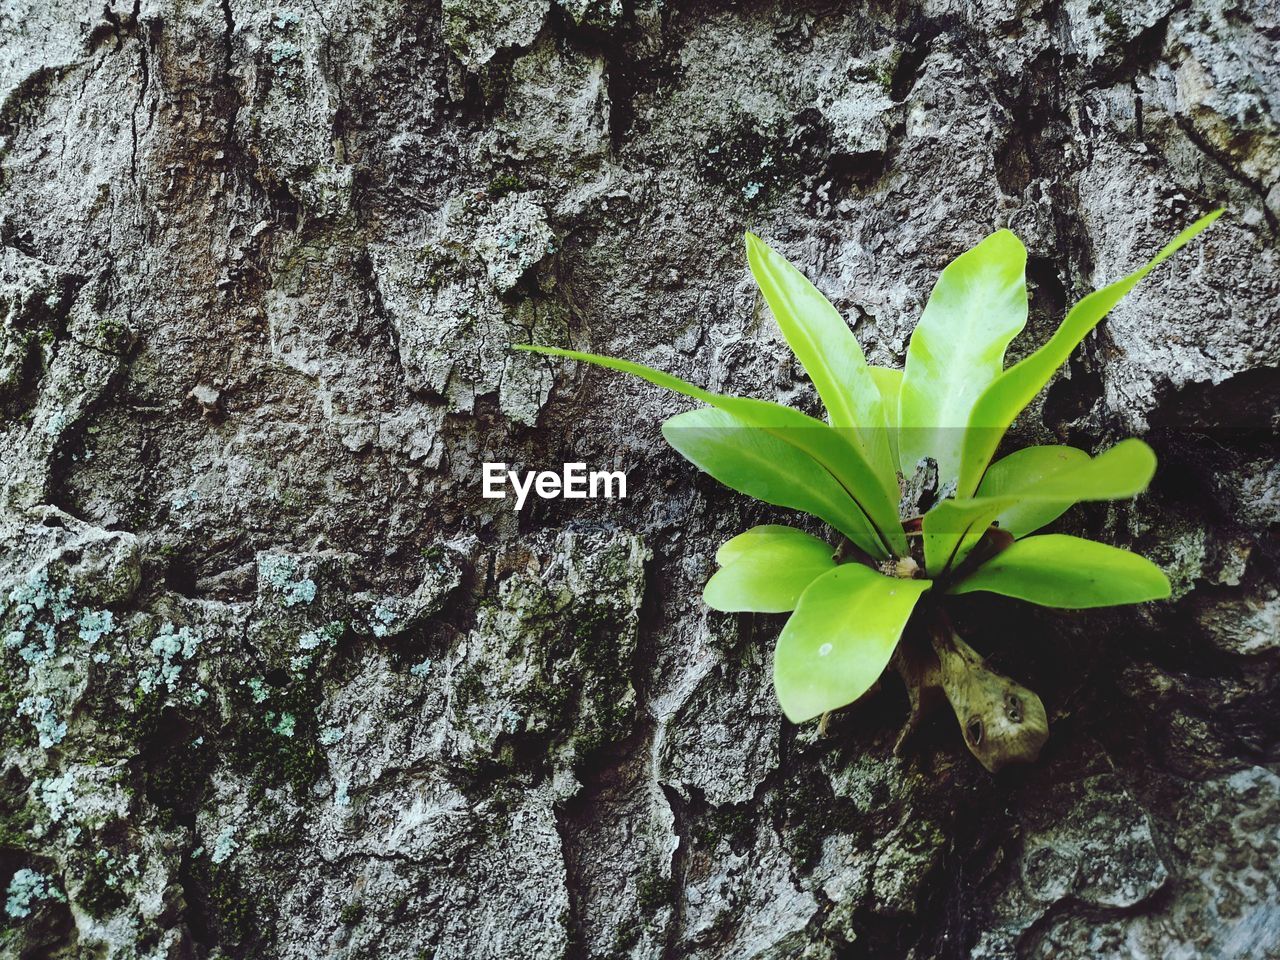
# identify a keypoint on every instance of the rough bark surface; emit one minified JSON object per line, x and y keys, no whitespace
{"x":277,"y":682}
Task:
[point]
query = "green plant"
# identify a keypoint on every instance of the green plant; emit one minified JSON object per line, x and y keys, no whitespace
{"x":903,"y":471}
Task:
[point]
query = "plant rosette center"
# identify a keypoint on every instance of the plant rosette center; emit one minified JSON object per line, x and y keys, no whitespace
{"x":904,"y":472}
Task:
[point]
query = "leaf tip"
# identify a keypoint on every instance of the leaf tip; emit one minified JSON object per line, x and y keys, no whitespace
{"x":1006,"y":236}
{"x":539,"y":350}
{"x":1204,"y":223}
{"x":711,"y":595}
{"x":1166,"y":588}
{"x":792,"y":708}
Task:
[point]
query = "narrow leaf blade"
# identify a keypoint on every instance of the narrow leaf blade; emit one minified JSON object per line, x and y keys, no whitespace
{"x":828,"y":351}
{"x":1022,"y":470}
{"x":753,"y":461}
{"x":830,"y":447}
{"x":1121,"y":471}
{"x":840,"y":638}
{"x":1056,"y":570}
{"x":889,"y":383}
{"x":977,"y":307}
{"x":1005,"y":397}
{"x":766,"y":569}
{"x":953,"y":527}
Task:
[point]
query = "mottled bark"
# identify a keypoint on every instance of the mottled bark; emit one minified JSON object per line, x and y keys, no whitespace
{"x":278,"y":682}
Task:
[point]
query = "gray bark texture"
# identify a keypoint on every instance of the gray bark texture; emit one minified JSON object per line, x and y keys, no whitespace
{"x":278,"y":682}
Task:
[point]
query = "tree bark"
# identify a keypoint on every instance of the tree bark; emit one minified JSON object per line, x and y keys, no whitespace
{"x":279,"y":682}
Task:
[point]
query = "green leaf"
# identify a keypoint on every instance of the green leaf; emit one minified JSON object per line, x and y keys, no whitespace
{"x":766,"y":569}
{"x":1021,"y":470}
{"x":829,"y":353}
{"x":1005,"y":398}
{"x":889,"y":383}
{"x":978,"y":305}
{"x":840,"y":638}
{"x":830,"y":447}
{"x":1036,"y":498}
{"x":1056,"y":570}
{"x":953,"y":527}
{"x":753,"y":461}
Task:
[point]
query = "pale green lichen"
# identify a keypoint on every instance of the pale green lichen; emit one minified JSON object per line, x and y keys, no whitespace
{"x":282,"y":50}
{"x":283,"y":723}
{"x":257,"y":689}
{"x":58,"y":794}
{"x":27,"y":888}
{"x":40,"y":711}
{"x":175,"y":647}
{"x":94,"y":625}
{"x":57,"y":423}
{"x":512,"y":720}
{"x":224,"y":846}
{"x":381,"y":620}
{"x":38,"y":608}
{"x":279,"y":571}
{"x":313,"y":644}
{"x":330,"y":735}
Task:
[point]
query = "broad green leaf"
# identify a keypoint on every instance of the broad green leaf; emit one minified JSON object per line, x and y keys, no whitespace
{"x":755,"y":462}
{"x":953,"y":527}
{"x":840,"y":638}
{"x":829,"y":353}
{"x":889,"y":383}
{"x":766,"y":569}
{"x":1055,"y":570}
{"x":1118,"y":472}
{"x":978,"y":305}
{"x":1035,"y":498}
{"x":1004,"y":398}
{"x":765,"y":536}
{"x":830,"y":447}
{"x":1021,"y":470}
